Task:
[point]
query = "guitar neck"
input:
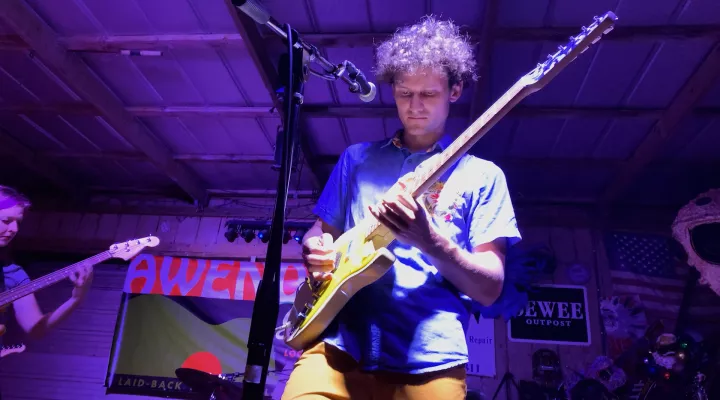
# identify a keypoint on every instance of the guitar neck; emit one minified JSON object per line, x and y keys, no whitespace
{"x":434,"y":168}
{"x":50,"y":279}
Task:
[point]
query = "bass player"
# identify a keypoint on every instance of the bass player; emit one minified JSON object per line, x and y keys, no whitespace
{"x":31,"y":319}
{"x":403,"y":336}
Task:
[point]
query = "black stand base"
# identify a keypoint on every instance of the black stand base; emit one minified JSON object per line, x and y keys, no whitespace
{"x":508,"y":377}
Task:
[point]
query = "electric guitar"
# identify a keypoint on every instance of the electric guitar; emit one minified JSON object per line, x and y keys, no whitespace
{"x":362,"y":253}
{"x":123,"y":250}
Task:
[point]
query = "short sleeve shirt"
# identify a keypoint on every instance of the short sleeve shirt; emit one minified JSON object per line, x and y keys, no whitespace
{"x":412,"y":320}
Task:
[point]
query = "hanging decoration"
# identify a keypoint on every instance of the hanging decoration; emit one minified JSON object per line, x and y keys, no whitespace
{"x":602,"y":370}
{"x":675,"y":367}
{"x":624,"y":322}
{"x":697,"y":228}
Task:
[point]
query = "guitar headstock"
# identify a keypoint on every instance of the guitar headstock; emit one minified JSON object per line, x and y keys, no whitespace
{"x":556,"y":62}
{"x":129,"y":249}
{"x":13,"y":349}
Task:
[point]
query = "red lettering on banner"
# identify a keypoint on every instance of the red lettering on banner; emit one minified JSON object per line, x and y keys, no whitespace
{"x":181,"y":276}
{"x":225,"y":279}
{"x":219,"y":280}
{"x":142,"y":271}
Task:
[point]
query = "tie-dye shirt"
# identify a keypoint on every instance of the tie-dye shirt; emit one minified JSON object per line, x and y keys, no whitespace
{"x":413,"y":320}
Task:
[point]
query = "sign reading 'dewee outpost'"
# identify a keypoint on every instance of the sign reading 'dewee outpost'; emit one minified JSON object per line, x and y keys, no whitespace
{"x":553,"y":314}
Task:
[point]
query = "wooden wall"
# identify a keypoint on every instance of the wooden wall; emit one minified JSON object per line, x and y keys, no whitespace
{"x":570,"y":246}
{"x":71,"y":363}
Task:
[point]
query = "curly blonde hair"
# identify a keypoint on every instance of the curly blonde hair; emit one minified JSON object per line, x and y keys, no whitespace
{"x":431,"y":43}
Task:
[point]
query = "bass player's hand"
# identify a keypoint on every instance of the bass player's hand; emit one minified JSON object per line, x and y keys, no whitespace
{"x":319,"y":256}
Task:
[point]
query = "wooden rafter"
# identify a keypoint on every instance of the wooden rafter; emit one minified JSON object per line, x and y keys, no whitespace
{"x":331,"y":110}
{"x":511,"y":162}
{"x":258,"y":51}
{"x":73,"y":71}
{"x":531,"y":213}
{"x":561,"y":34}
{"x":11,"y":148}
{"x":666,"y":127}
{"x":87,"y":43}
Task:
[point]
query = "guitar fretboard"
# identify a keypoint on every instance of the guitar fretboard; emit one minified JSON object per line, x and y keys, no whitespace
{"x":49,"y":279}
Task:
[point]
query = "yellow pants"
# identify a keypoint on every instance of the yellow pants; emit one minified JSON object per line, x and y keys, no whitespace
{"x":325,"y":372}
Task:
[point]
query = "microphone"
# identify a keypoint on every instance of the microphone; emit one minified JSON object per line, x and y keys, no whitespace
{"x":354,"y":78}
{"x":366,"y":90}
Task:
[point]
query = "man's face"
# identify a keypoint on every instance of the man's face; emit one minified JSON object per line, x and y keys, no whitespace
{"x":10,"y":219}
{"x":423,"y":101}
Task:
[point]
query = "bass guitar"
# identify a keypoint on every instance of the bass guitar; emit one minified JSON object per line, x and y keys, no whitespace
{"x":12,"y":349}
{"x":362,"y":253}
{"x":123,"y":250}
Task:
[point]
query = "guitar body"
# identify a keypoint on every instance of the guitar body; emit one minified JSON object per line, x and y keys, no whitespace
{"x":360,"y":261}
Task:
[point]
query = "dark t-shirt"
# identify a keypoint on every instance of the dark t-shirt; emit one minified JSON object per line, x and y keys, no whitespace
{"x":15,"y":276}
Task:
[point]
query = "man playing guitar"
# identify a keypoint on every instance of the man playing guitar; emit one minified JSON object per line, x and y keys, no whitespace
{"x":403,"y":336}
{"x":27,"y":312}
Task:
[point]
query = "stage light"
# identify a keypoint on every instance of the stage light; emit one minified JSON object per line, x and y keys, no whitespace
{"x":264,"y":235}
{"x":286,"y":236}
{"x":233,"y":228}
{"x":299,"y":233}
{"x":247,"y":234}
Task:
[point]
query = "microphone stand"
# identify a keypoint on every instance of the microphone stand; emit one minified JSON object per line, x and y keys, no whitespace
{"x":267,"y":301}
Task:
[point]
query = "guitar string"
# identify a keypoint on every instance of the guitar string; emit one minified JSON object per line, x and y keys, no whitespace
{"x":19,"y":292}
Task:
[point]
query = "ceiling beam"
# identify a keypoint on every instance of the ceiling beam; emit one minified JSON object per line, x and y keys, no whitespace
{"x":258,"y":50}
{"x":73,"y":71}
{"x":14,"y":150}
{"x":652,"y":32}
{"x":505,"y":163}
{"x":113,"y":44}
{"x":329,"y":110}
{"x":666,"y":127}
{"x":529,"y":212}
{"x":559,"y":34}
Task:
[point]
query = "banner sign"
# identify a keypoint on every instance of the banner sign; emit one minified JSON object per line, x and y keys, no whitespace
{"x":192,"y":313}
{"x":196,"y":313}
{"x":554,"y":314}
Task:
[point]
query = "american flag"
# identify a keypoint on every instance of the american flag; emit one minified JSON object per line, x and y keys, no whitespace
{"x":645,"y":265}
